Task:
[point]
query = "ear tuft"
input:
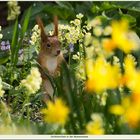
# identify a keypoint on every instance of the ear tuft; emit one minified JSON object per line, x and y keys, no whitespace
{"x":55,"y":26}
{"x":41,"y":26}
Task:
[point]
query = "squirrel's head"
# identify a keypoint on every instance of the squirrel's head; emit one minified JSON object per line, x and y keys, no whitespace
{"x":50,"y":45}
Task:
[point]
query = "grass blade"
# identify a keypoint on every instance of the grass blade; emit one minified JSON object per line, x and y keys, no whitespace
{"x":24,"y":29}
{"x":14,"y":40}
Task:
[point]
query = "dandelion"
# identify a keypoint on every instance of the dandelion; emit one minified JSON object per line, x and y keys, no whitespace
{"x":33,"y":81}
{"x":56,"y":112}
{"x":95,"y":126}
{"x":102,"y":75}
{"x":13,"y":10}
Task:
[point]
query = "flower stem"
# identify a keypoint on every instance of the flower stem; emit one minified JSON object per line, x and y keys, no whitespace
{"x":69,"y":58}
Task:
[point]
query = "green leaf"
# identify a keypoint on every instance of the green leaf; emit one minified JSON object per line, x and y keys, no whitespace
{"x":4,"y":56}
{"x":131,"y":19}
{"x":26,"y":22}
{"x":37,"y":8}
{"x":14,"y":40}
{"x":66,"y":5}
{"x":24,"y":28}
{"x":6,"y":86}
{"x":57,"y":10}
{"x":8,"y":32}
{"x":131,"y":5}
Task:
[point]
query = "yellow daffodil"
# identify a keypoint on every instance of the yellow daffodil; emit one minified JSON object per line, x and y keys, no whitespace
{"x":116,"y":109}
{"x":129,"y":109}
{"x":102,"y":75}
{"x":132,"y":109}
{"x":122,"y":37}
{"x":108,"y":44}
{"x":56,"y":112}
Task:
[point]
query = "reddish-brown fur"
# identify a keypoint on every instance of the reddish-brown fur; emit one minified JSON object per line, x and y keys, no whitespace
{"x":50,"y":56}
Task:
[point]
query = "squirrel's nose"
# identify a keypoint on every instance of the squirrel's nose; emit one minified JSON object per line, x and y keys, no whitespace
{"x":58,"y":51}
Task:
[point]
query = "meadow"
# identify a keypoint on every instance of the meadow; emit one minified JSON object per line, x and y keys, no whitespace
{"x":98,"y":89}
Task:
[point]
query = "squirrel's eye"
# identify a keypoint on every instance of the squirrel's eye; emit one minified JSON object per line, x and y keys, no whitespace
{"x":48,"y":45}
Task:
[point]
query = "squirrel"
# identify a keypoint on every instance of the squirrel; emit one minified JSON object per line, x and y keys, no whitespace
{"x":50,"y":57}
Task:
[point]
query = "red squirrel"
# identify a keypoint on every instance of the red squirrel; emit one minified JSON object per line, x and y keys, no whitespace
{"x":50,"y":56}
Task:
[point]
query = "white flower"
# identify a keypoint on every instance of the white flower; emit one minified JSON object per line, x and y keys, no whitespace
{"x":96,"y":117}
{"x":13,"y":10}
{"x":88,"y":39}
{"x":80,"y":71}
{"x":75,"y":57}
{"x":89,"y":52}
{"x":33,"y":81}
{"x":77,"y":22}
{"x":98,"y":31}
{"x":35,"y":28}
{"x":95,"y":22}
{"x":107,"y":30}
{"x":96,"y":125}
{"x":35,"y":35}
{"x":96,"y":43}
{"x":33,"y":39}
{"x":1,"y":36}
{"x":116,"y":61}
{"x":79,"y":15}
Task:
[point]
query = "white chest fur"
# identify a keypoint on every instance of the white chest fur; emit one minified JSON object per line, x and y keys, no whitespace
{"x":51,"y":64}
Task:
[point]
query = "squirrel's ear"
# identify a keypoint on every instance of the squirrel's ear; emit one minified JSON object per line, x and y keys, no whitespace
{"x":41,"y":26}
{"x":55,"y":26}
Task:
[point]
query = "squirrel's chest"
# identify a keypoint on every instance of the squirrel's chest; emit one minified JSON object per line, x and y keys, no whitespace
{"x":51,"y":64}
